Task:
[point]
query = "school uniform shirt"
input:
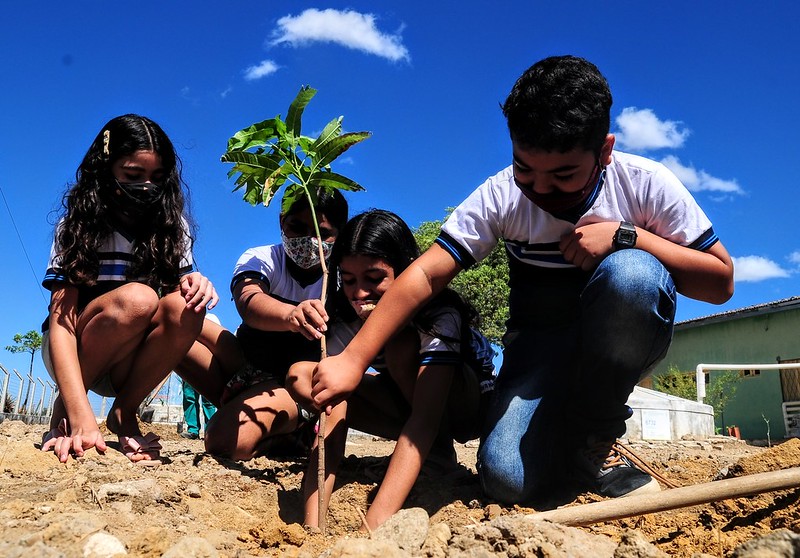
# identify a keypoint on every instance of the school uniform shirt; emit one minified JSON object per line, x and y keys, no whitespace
{"x":116,"y":256}
{"x":543,"y":284}
{"x":442,"y":347}
{"x":274,"y":351}
{"x":268,"y":265}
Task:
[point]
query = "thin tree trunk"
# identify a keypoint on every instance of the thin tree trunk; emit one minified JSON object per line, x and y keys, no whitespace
{"x":322,"y":507}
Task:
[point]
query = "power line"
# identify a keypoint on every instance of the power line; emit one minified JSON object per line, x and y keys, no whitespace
{"x":24,"y":251}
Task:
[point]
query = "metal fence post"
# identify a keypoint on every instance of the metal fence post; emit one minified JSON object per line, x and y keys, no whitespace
{"x":53,"y":391}
{"x":40,"y":406}
{"x":19,"y":392}
{"x":30,"y":407}
{"x":4,"y":392}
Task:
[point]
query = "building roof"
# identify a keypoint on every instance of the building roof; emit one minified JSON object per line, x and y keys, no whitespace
{"x":782,"y":305}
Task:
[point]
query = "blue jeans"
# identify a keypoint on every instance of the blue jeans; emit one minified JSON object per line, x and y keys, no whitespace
{"x":560,"y":385}
{"x":192,"y":402}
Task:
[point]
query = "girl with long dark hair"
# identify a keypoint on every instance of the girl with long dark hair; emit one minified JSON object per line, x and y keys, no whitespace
{"x":426,"y":390}
{"x":126,"y":301}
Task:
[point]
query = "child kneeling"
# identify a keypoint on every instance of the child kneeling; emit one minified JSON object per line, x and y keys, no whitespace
{"x":425,"y":392}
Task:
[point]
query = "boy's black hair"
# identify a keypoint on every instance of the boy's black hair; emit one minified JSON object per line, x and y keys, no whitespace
{"x":89,"y":218}
{"x":559,"y":104}
{"x":330,"y":203}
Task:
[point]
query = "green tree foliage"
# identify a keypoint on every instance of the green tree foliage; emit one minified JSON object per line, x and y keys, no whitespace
{"x":719,"y":391}
{"x":675,"y":382}
{"x":485,"y":285}
{"x":30,"y":342}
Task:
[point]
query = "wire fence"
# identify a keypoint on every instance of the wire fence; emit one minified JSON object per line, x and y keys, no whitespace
{"x":25,"y":397}
{"x":30,"y":399}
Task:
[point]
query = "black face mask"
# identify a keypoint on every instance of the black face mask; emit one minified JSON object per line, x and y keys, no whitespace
{"x":134,"y":199}
{"x":568,"y":206}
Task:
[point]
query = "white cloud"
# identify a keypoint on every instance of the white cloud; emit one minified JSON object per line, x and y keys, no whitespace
{"x":349,"y":28}
{"x":226,"y":92}
{"x":260,"y":70}
{"x":794,"y":258}
{"x":699,"y":180}
{"x":756,"y":268}
{"x":640,"y":130}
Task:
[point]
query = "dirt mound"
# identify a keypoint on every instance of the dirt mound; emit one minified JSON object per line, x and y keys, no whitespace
{"x":196,"y":505}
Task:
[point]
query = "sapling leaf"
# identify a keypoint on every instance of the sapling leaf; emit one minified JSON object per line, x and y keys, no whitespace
{"x":331,"y":180}
{"x":336,"y":146}
{"x":251,"y":179}
{"x":254,"y":135}
{"x":270,"y":191}
{"x":306,"y":146}
{"x":281,"y":129}
{"x":331,"y":130}
{"x":252,"y":160}
{"x":252,"y":195}
{"x":242,"y":180}
{"x":295,"y":114}
{"x":293,"y":193}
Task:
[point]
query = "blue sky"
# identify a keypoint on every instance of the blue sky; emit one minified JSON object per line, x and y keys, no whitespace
{"x":710,"y":88}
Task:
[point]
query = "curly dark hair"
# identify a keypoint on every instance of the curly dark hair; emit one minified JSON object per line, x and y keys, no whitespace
{"x":89,"y":218}
{"x":559,"y":104}
{"x":383,"y":235}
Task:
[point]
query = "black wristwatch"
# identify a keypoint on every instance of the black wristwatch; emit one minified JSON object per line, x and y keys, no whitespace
{"x":625,"y":237}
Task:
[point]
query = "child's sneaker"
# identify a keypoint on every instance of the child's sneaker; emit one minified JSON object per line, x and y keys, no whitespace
{"x":611,"y":473}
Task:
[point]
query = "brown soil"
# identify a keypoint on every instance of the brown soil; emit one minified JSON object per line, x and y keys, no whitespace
{"x":254,"y":508}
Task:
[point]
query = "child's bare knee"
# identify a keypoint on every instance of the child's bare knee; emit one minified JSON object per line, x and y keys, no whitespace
{"x":135,"y":304}
{"x":175,"y":314}
{"x":300,"y":372}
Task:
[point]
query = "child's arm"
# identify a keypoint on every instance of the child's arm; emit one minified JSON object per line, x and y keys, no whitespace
{"x":336,"y":377}
{"x":262,"y":311}
{"x":414,"y":443}
{"x":706,"y":276}
{"x":83,"y":431}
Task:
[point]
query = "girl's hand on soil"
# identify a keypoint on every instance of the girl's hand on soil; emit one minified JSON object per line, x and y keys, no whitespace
{"x":76,"y":442}
{"x":198,"y":292}
{"x":333,"y":381}
{"x":309,"y":319}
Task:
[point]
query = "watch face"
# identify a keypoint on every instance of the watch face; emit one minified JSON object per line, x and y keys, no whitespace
{"x":625,"y":236}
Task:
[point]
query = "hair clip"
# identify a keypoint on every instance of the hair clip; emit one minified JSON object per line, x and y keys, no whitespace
{"x":106,"y":139}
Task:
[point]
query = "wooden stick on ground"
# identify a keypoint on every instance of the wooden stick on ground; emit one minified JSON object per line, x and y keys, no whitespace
{"x":686,"y":496}
{"x":322,"y":505}
{"x":322,"y":508}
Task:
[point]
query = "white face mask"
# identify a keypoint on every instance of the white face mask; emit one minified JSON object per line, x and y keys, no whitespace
{"x":304,"y":250}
